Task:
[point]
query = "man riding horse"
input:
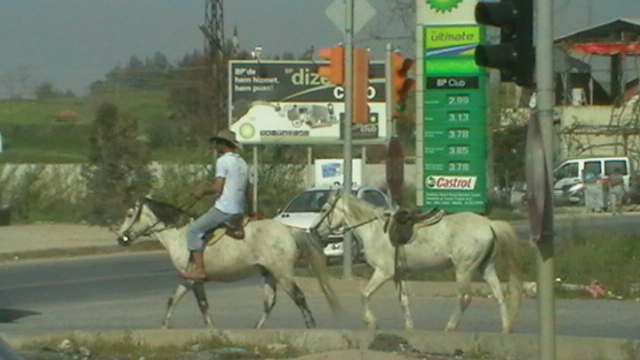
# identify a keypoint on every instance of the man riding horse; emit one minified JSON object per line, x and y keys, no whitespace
{"x":232,"y":184}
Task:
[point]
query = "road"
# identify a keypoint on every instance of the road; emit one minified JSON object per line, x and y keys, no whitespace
{"x":130,"y":292}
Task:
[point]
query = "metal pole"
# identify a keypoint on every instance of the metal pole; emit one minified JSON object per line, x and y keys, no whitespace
{"x":310,"y":174}
{"x":388,"y":89}
{"x":545,"y":102}
{"x":348,"y":114}
{"x":255,"y":180}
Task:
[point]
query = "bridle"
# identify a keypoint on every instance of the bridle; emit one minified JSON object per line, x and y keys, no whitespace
{"x":328,"y":214}
{"x":126,"y":237}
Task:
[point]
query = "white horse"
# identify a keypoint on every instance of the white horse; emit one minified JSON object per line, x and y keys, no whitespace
{"x":465,"y":241}
{"x":268,"y":248}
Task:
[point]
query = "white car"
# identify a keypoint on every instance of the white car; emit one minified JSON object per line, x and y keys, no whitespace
{"x":303,"y":210}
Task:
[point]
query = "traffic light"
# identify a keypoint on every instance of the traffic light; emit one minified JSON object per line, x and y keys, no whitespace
{"x":335,"y":70}
{"x":515,"y":55}
{"x":360,"y":85}
{"x":401,"y":65}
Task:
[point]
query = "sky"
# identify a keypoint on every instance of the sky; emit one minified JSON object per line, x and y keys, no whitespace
{"x":73,"y":43}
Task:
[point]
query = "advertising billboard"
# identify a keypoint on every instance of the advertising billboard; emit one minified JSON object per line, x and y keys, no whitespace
{"x":287,"y":102}
{"x":330,"y":172}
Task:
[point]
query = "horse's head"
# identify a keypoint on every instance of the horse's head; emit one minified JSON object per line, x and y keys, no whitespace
{"x":139,"y":220}
{"x":332,"y":215}
{"x":150,"y":216}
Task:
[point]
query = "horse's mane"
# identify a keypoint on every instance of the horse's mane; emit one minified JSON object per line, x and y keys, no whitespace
{"x":169,"y":214}
{"x":361,"y":209}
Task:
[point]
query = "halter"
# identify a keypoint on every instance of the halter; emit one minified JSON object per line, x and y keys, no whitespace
{"x":328,"y":214}
{"x":148,"y":231}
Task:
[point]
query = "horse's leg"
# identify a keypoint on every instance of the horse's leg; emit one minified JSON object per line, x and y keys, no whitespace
{"x":463,"y":282}
{"x":404,"y":302}
{"x":270,"y":288}
{"x":182,"y":289}
{"x":203,"y":304}
{"x":491,"y":277}
{"x":298,"y":297}
{"x":377,"y":279}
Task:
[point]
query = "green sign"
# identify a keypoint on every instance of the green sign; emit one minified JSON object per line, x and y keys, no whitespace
{"x":455,"y":124}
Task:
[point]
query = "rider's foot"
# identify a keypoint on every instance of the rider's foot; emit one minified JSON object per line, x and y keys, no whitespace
{"x":194,"y":275}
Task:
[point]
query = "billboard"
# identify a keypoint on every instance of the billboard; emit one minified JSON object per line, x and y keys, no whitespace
{"x":330,"y":172}
{"x":287,"y":102}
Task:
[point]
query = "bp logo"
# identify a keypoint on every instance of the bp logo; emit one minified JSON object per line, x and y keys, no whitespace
{"x":247,"y":131}
{"x":430,"y":182}
{"x":444,"y":5}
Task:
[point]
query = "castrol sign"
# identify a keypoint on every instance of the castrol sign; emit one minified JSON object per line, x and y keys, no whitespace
{"x":451,"y":182}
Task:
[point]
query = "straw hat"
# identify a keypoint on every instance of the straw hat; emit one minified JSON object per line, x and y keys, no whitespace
{"x":226,"y":136}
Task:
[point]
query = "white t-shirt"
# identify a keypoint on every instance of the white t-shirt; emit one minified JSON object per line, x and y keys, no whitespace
{"x":235,"y":172}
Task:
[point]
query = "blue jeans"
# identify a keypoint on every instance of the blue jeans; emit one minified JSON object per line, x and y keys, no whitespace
{"x":209,"y":220}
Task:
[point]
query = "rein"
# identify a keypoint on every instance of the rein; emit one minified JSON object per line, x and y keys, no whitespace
{"x":148,"y":231}
{"x":349,"y":228}
{"x":328,"y":213}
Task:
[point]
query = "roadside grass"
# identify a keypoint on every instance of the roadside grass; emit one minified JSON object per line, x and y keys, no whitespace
{"x":580,"y":259}
{"x":211,"y":346}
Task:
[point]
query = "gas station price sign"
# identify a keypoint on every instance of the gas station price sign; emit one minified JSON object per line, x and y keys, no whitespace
{"x":455,"y":130}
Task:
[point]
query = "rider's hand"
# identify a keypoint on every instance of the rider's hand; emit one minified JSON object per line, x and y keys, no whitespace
{"x":199,"y":194}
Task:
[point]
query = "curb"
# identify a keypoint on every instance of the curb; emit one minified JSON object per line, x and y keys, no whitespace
{"x":511,"y":346}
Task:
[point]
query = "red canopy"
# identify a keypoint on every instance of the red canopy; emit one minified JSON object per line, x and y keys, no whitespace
{"x":608,"y":49}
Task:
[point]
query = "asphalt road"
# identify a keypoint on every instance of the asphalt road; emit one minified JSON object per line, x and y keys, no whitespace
{"x":130,"y":292}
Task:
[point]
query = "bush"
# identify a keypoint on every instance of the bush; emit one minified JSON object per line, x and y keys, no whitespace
{"x":39,"y":193}
{"x":118,"y":171}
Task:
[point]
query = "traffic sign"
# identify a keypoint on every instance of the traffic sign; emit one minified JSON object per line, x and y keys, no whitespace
{"x":363,"y":12}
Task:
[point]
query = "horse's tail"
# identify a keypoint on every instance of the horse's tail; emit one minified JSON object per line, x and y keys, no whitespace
{"x":312,"y":252}
{"x":509,"y":248}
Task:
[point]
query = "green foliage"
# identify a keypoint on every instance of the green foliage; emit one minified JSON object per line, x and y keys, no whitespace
{"x":36,"y":194}
{"x":46,"y":91}
{"x":118,"y":172}
{"x":174,"y":185}
{"x":612,"y":260}
{"x":509,"y":148}
{"x":280,"y":176}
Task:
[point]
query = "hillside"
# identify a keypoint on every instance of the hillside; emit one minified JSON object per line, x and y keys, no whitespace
{"x":56,"y":131}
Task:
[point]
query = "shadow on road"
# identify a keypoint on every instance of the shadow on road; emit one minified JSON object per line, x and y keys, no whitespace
{"x":11,"y":315}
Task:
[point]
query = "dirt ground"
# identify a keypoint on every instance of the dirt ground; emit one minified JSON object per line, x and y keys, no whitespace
{"x":34,"y":237}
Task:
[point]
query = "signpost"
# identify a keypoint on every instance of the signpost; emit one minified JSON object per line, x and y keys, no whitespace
{"x":350,"y":24}
{"x":453,"y":122}
{"x":287,"y":102}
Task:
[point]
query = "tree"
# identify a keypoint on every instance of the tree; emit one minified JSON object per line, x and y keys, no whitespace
{"x":44,"y":91}
{"x":118,"y":172}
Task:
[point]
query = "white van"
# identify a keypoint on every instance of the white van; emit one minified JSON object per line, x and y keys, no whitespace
{"x":576,"y":171}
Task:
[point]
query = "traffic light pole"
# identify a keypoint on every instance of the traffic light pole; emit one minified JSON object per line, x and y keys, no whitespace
{"x":545,"y":246}
{"x":348,"y":115}
{"x":388,"y":88}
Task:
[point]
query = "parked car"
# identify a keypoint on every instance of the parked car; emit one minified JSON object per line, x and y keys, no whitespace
{"x":570,"y":176}
{"x":304,"y":208}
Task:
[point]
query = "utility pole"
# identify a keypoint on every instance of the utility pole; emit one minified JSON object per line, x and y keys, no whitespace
{"x":213,"y":30}
{"x":545,"y":245}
